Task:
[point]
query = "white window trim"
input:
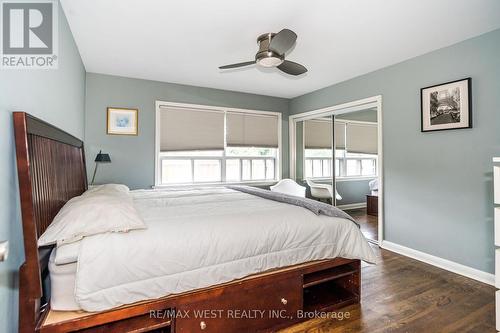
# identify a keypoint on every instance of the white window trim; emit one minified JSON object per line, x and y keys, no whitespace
{"x":279,"y":158}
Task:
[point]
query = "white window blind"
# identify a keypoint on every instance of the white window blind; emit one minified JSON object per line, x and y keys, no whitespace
{"x":191,"y":129}
{"x":362,"y":138}
{"x":251,"y":130}
{"x":318,"y":134}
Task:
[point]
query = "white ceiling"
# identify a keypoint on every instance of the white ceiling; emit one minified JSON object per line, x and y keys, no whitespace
{"x":184,"y":41}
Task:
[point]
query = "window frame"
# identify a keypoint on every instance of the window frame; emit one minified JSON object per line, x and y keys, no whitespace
{"x":222,"y":160}
{"x":342,"y":168}
{"x":278,"y":159}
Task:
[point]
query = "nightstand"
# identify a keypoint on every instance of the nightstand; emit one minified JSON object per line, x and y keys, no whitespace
{"x":372,"y":204}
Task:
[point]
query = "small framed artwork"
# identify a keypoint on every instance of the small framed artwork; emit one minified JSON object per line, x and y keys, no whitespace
{"x":446,"y":106}
{"x":121,"y":121}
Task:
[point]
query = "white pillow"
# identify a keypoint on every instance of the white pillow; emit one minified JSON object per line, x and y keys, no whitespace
{"x":99,"y":210}
{"x":109,"y":188}
{"x":67,"y":253}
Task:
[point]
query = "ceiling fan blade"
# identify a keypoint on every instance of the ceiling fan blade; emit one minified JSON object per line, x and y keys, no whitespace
{"x":283,"y":41}
{"x":292,"y":68}
{"x":241,"y":64}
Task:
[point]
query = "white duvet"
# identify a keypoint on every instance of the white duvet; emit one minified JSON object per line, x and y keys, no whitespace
{"x":196,"y":238}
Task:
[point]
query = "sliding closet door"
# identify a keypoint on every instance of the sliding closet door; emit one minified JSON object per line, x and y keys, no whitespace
{"x":334,"y":167}
{"x":318,"y":157}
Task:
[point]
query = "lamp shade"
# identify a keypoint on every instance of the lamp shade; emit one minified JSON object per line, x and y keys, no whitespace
{"x":102,"y":158}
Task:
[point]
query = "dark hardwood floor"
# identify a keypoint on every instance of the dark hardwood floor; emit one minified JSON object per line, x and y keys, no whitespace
{"x":368,"y":223}
{"x":404,"y":295}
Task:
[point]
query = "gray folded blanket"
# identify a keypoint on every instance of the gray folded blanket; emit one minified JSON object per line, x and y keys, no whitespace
{"x":314,"y":206}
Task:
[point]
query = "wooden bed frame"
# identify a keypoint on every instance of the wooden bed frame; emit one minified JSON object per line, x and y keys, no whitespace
{"x":51,"y":170}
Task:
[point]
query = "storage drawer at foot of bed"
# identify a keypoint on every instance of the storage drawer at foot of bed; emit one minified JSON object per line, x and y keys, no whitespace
{"x":150,"y":322}
{"x":244,"y":308}
{"x":124,"y":320}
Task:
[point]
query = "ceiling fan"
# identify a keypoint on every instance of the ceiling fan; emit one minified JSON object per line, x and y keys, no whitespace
{"x":272,"y":49}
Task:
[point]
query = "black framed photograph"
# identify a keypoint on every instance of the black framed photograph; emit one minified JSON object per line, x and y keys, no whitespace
{"x":446,"y":106}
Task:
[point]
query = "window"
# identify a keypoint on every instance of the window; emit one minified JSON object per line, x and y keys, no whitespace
{"x":356,"y":153}
{"x":368,"y":167}
{"x":352,"y":168}
{"x":233,"y":169}
{"x":250,"y":164}
{"x":346,"y":165}
{"x":216,"y":146}
{"x":207,"y":170}
{"x":176,"y":170}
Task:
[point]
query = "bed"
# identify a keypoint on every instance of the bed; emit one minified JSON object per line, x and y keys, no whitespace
{"x":213,"y":249}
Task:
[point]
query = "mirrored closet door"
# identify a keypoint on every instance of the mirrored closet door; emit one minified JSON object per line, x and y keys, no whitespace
{"x":336,"y":158}
{"x":315,"y":155}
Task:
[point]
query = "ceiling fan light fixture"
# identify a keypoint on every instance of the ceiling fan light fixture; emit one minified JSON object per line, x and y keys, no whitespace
{"x":269,"y":59}
{"x":272,"y":49}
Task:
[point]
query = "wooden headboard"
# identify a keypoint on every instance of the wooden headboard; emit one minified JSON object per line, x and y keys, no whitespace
{"x":51,"y":170}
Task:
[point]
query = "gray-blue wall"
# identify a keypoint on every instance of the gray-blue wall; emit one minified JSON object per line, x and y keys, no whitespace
{"x":57,"y":96}
{"x":353,"y":191}
{"x":133,"y":156}
{"x":438,"y":186}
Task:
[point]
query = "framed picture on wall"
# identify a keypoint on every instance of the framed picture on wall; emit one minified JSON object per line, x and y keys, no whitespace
{"x":446,"y":106}
{"x":121,"y":121}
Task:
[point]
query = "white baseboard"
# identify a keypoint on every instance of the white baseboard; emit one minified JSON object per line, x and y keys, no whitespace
{"x":448,"y":265}
{"x":352,"y":206}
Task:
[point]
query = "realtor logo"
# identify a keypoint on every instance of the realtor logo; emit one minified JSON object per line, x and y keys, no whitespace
{"x":29,"y":34}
